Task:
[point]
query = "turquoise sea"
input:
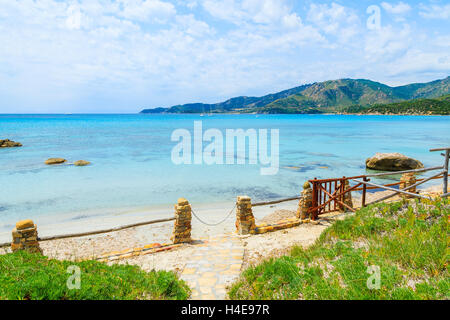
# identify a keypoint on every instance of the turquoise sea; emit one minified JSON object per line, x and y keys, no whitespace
{"x":132,"y":167}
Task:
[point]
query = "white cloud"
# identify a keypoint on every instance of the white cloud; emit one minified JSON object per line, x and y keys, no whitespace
{"x":266,"y":11}
{"x":143,"y":10}
{"x":292,"y":21}
{"x":417,"y":61}
{"x":441,"y":41}
{"x":127,"y":54}
{"x":194,"y":27}
{"x":192,"y":4}
{"x":73,"y":20}
{"x":387,"y":43}
{"x":256,"y":11}
{"x":399,"y":8}
{"x":435,"y":11}
{"x":228,"y":10}
{"x":335,"y":19}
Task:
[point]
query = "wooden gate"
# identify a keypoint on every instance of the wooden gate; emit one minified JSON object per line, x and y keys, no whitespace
{"x":328,"y":195}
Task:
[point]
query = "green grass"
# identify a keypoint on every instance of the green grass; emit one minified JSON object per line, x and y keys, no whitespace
{"x":407,"y":241}
{"x":32,"y":276}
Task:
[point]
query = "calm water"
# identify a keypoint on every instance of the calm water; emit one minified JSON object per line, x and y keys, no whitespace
{"x":131,"y":156}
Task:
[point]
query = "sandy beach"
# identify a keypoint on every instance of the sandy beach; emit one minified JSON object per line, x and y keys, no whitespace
{"x":216,"y":256}
{"x":257,"y":247}
{"x":157,"y":233}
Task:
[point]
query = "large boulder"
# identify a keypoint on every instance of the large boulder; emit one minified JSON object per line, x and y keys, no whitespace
{"x":392,"y":162}
{"x":6,"y":143}
{"x":55,"y":161}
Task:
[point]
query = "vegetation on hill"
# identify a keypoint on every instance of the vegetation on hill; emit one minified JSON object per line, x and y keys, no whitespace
{"x":30,"y":276}
{"x":407,"y":241}
{"x":438,"y":106}
{"x":231,"y":105}
{"x":328,"y":96}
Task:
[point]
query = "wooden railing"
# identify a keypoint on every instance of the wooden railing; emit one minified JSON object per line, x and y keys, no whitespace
{"x":329,"y":194}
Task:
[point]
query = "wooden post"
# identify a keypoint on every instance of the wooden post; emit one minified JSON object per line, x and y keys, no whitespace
{"x":363,"y":202}
{"x":447,"y":155}
{"x":346,"y":201}
{"x":335,"y":190}
{"x":341,"y":196}
{"x":445,"y":187}
{"x":315,"y":203}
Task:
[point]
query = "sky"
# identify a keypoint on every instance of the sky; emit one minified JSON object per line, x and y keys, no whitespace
{"x":120,"y":56}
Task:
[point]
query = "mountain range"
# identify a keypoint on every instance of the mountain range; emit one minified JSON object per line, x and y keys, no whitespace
{"x":332,"y":96}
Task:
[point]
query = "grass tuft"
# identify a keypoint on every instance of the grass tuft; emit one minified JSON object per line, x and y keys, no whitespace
{"x":407,"y":240}
{"x":27,"y":276}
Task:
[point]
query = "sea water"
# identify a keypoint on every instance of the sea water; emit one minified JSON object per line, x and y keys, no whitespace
{"x":132,"y":165}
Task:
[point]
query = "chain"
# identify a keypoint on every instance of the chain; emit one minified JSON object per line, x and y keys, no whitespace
{"x":213,"y":224}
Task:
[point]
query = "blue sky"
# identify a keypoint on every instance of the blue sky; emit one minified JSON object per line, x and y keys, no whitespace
{"x":125,"y":55}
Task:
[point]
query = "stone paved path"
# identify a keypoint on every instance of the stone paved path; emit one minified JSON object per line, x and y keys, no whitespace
{"x":216,"y":263}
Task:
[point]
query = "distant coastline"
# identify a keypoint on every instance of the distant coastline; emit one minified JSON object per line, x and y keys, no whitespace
{"x":344,"y":96}
{"x":323,"y":114}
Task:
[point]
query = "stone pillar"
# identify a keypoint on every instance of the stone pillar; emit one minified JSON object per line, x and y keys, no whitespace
{"x":182,"y":226}
{"x":245,"y":222}
{"x":347,"y":199}
{"x":305,"y":202}
{"x":25,"y":237}
{"x":408,"y":179}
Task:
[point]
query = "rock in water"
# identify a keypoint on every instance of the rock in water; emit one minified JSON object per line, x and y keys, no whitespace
{"x":55,"y":161}
{"x":392,"y":162}
{"x":9,"y":144}
{"x":81,"y":163}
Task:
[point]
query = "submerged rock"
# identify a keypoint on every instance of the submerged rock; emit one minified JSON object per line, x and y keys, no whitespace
{"x":81,"y":163}
{"x":6,"y":143}
{"x":392,"y":162}
{"x":55,"y":161}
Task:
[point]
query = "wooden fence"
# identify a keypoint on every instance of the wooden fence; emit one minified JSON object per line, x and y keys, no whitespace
{"x":329,"y":194}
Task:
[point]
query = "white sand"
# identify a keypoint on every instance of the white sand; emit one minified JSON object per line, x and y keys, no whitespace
{"x":88,"y":246}
{"x":210,"y":213}
{"x":257,"y":247}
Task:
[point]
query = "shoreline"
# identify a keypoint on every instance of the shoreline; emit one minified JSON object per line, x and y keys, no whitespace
{"x":256,"y":248}
{"x":309,"y":114}
{"x":211,"y":213}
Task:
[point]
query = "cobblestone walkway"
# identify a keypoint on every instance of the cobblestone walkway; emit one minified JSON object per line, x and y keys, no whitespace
{"x":216,"y":263}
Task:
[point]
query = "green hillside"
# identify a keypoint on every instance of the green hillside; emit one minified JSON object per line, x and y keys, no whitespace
{"x":329,"y":95}
{"x":432,"y":89}
{"x":324,"y":97}
{"x":438,"y":106}
{"x":231,"y":105}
